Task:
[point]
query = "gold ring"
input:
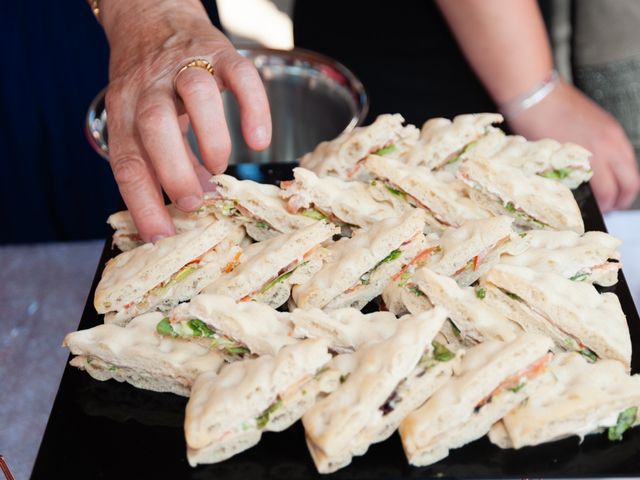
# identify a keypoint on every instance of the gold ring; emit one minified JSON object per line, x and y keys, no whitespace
{"x":198,"y":63}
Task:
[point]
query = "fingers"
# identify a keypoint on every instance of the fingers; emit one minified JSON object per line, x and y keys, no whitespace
{"x":137,"y":183}
{"x":242,"y":78}
{"x":157,"y":124}
{"x":604,"y":185}
{"x":202,"y":100}
{"x":626,"y":171}
{"x":204,"y":177}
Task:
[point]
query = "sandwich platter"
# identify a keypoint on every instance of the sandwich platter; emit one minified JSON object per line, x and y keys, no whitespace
{"x":109,"y":429}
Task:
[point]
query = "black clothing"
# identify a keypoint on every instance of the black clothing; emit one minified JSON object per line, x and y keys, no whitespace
{"x":402,"y":51}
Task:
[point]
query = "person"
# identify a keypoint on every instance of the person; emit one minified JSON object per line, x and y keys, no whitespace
{"x":160,"y":78}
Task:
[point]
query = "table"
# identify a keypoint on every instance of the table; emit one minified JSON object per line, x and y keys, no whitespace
{"x":43,"y":289}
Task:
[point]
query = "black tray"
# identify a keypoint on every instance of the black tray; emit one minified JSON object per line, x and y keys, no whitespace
{"x":100,"y":430}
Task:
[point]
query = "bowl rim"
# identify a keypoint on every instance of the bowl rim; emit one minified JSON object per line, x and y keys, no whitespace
{"x":97,"y":110}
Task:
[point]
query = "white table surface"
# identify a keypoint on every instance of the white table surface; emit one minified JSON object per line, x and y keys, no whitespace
{"x":43,"y":289}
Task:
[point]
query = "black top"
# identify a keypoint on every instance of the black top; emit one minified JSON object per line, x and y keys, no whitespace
{"x":402,"y":51}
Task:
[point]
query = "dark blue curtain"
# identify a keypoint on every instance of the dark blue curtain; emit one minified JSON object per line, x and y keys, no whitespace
{"x":53,"y":186}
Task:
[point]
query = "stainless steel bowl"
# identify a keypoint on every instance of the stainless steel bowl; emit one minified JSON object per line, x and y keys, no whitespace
{"x":312,"y":98}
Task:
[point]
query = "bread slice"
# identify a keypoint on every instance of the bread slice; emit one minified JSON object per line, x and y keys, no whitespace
{"x":269,"y":269}
{"x":494,"y":378}
{"x":469,"y":251}
{"x":161,"y":275}
{"x":136,"y":354}
{"x":126,"y":235}
{"x":372,"y":283}
{"x":340,"y":201}
{"x":440,"y":193}
{"x":340,"y":157}
{"x":385,"y":381}
{"x":353,"y":262}
{"x":257,"y":206}
{"x":575,"y":313}
{"x":443,"y":140}
{"x":228,"y":412}
{"x":235,"y":329}
{"x":566,"y":163}
{"x":576,"y":398}
{"x":403,"y":296}
{"x":467,"y":309}
{"x":346,"y":329}
{"x":593,"y":257}
{"x":533,"y":201}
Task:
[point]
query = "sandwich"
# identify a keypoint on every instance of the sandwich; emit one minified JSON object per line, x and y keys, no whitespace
{"x":593,"y":257}
{"x":469,"y":251}
{"x":573,"y":314}
{"x":341,"y":202}
{"x":533,"y":201}
{"x":136,"y":354}
{"x":360,"y":267}
{"x":236,"y":330}
{"x":342,"y":157}
{"x":443,"y":196}
{"x":227,"y":412}
{"x":384,"y":382}
{"x":161,"y":275}
{"x":126,"y":236}
{"x":494,"y":378}
{"x":257,"y":206}
{"x":269,"y":269}
{"x":346,"y":329}
{"x":442,"y":141}
{"x":474,"y":320}
{"x":577,"y":398}
{"x":402,"y":296}
{"x":567,"y":163}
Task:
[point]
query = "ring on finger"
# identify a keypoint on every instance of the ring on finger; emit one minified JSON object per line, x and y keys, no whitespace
{"x":195,"y":63}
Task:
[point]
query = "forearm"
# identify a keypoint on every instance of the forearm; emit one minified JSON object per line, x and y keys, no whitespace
{"x":504,"y":41}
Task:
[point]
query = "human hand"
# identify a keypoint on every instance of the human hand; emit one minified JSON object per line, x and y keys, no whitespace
{"x":148,"y":119}
{"x":568,"y":115}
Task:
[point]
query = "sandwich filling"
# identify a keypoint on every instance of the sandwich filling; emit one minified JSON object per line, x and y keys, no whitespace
{"x":455,"y":156}
{"x":269,"y":414}
{"x":196,"y":328}
{"x":398,"y":192}
{"x":154,"y":296}
{"x":394,"y":255}
{"x":382,"y":151}
{"x":299,"y":203}
{"x":509,"y":207}
{"x":516,"y":382}
{"x":474,"y":263}
{"x":433,"y":354}
{"x":564,"y":172}
{"x":282,"y":275}
{"x":233,"y":209}
{"x":570,"y":342}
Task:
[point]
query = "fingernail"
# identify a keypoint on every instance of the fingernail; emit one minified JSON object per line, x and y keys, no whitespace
{"x":157,"y":238}
{"x":189,"y":203}
{"x":260,"y":135}
{"x":209,"y":186}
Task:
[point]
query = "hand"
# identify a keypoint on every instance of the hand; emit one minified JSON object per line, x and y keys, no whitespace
{"x":148,"y":151}
{"x":568,"y":115}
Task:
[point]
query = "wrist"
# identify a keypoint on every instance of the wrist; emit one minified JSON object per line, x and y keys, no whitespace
{"x":518,"y":104}
{"x":132,"y":22}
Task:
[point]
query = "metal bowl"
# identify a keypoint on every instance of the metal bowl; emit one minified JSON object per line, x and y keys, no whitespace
{"x":312,"y":98}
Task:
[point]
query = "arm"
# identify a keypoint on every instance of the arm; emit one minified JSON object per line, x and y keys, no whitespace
{"x":149,"y":115}
{"x":506,"y":44}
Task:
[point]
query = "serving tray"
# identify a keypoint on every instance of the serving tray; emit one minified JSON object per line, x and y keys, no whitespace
{"x":105,"y":430}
